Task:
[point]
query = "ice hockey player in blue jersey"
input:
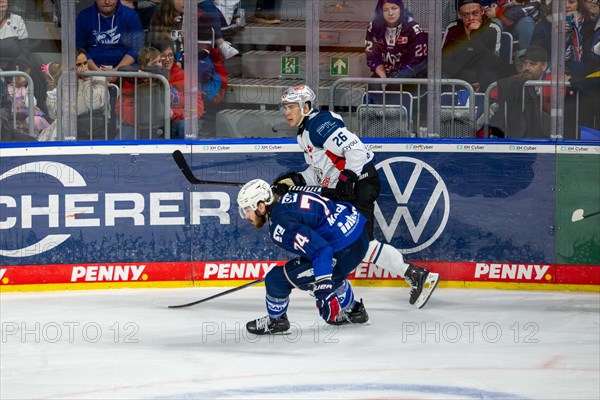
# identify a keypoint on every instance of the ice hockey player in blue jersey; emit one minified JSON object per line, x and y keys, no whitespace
{"x":336,"y":157}
{"x":330,"y":241}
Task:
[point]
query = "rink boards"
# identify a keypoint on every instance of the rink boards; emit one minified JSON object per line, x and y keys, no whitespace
{"x":482,"y":214}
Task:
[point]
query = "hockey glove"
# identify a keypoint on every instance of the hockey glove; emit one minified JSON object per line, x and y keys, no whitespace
{"x":283,"y":182}
{"x":345,"y":185}
{"x":327,"y":301}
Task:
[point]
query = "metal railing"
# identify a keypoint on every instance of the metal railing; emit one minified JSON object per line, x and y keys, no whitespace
{"x":530,"y":83}
{"x":136,"y":75}
{"x":30,"y":99}
{"x":404,"y":100}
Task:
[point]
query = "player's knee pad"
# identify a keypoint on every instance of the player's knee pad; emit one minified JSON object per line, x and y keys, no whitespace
{"x":345,"y":295}
{"x":299,"y":273}
{"x":276,"y":307}
{"x":276,"y":283}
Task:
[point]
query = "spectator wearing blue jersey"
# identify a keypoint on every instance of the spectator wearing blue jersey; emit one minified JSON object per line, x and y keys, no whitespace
{"x":111,"y":34}
{"x":330,"y":240}
{"x":336,"y":157}
{"x":395,"y":44}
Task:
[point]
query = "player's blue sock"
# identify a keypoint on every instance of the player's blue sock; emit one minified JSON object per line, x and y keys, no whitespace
{"x":276,"y":307}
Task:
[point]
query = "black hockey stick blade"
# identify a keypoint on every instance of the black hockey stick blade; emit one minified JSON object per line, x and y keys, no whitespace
{"x":189,"y":175}
{"x":578,"y":215}
{"x":214,"y":296}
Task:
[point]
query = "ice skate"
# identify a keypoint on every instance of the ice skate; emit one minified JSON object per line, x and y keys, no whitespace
{"x":268,"y":326}
{"x":356,"y":315}
{"x":422,"y":284}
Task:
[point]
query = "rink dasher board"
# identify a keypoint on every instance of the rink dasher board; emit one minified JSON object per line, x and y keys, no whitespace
{"x":73,"y":264}
{"x":289,"y":145}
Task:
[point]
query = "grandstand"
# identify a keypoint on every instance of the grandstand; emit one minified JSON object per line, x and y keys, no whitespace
{"x":275,"y":56}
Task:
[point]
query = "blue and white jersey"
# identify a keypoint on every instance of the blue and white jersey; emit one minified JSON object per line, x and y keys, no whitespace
{"x":329,"y":147}
{"x":314,"y":227}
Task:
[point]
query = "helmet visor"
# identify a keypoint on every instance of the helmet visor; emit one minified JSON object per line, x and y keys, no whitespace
{"x":245,"y":212}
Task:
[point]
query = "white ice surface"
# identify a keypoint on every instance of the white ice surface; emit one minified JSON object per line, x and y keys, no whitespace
{"x":463,"y":344}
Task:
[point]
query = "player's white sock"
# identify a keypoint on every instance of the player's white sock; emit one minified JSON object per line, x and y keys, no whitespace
{"x":386,"y":257}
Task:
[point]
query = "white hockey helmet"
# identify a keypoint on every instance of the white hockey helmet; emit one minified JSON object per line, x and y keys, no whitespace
{"x":252,"y":193}
{"x":300,"y":95}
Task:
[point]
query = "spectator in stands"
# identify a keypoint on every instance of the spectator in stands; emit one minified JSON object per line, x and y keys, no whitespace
{"x":211,"y":18}
{"x":167,"y":24}
{"x":396,"y":46}
{"x":111,"y":34}
{"x":7,"y":130}
{"x":579,"y":32}
{"x":177,"y":81}
{"x":143,"y":107}
{"x":508,"y":119}
{"x":14,"y":38}
{"x":517,"y":17}
{"x":14,"y":43}
{"x":543,"y":29}
{"x":17,"y":90}
{"x":144,"y":9}
{"x":92,"y":95}
{"x":93,"y":100}
{"x":471,"y":47}
{"x":579,"y":37}
{"x":593,"y":7}
{"x":265,"y":12}
{"x":52,"y":72}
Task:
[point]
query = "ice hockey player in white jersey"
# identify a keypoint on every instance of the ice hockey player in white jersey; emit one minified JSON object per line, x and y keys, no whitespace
{"x":336,"y":157}
{"x":330,"y":240}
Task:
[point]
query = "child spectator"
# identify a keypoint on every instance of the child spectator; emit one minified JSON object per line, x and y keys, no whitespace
{"x":17,"y":90}
{"x":143,"y":108}
{"x":92,"y":100}
{"x":167,"y":23}
{"x":177,"y":81}
{"x":396,"y":46}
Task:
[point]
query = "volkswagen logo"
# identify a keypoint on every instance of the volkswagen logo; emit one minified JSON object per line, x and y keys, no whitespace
{"x":422,"y":203}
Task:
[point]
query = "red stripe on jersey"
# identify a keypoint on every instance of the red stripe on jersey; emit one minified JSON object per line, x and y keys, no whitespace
{"x":339,"y":162}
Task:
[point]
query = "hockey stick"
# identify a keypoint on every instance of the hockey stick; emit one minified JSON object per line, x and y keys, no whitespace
{"x":578,"y":215}
{"x":194,"y":180}
{"x":189,"y":175}
{"x":214,"y":296}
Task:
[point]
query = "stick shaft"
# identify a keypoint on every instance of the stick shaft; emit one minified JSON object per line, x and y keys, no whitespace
{"x":189,"y":175}
{"x":214,"y":296}
{"x":591,"y":214}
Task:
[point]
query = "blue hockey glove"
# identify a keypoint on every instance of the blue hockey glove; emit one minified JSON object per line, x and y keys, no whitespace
{"x":327,"y":301}
{"x":345,"y":185}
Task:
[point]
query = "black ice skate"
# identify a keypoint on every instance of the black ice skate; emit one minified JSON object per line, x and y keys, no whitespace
{"x":268,"y":326}
{"x":356,"y":315}
{"x":422,"y":284}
